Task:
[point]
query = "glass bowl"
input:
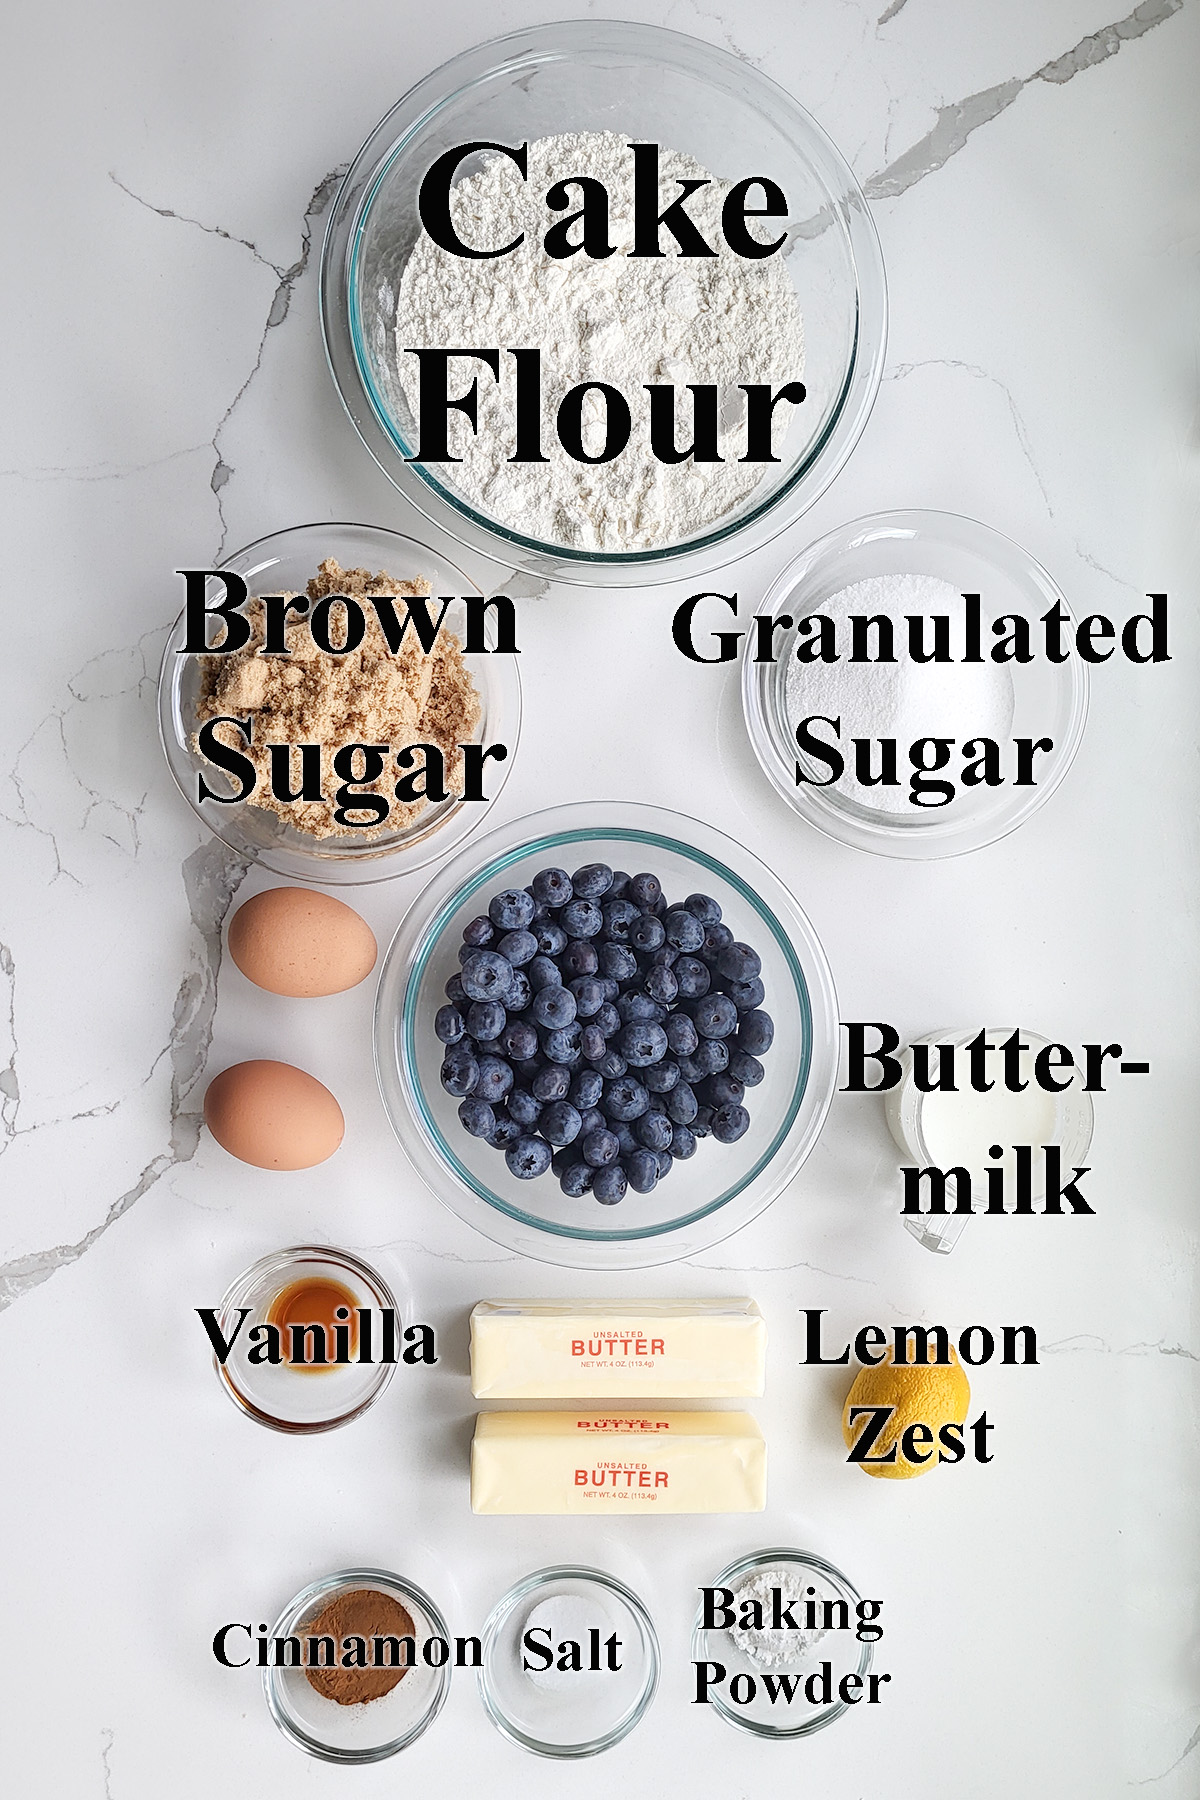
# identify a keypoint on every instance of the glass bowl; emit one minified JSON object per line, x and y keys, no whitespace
{"x":799,"y":1717}
{"x":655,"y":85}
{"x":285,"y":562}
{"x":581,"y":1713}
{"x":280,"y":1395}
{"x":1071,"y":1120}
{"x":721,"y":1187}
{"x":1050,"y":699}
{"x":367,"y":1731}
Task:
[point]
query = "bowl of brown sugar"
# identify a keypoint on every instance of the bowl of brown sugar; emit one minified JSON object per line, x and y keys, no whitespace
{"x":358,"y":1666}
{"x":339,"y":702}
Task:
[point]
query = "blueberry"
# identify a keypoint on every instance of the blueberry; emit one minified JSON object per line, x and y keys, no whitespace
{"x":552,"y":887}
{"x":626,"y":1141}
{"x":756,"y":1032}
{"x":600,"y":1148}
{"x":609,"y":1185}
{"x":662,"y":985}
{"x":555,"y":1007}
{"x":542,"y":972}
{"x":702,"y":1123}
{"x":460,"y":1071}
{"x":611,"y":986}
{"x":495,"y":1079}
{"x":560,"y":1123}
{"x":618,"y":962}
{"x":479,"y":933}
{"x":589,"y":996}
{"x":523,"y":1107}
{"x":691,"y":1070}
{"x":487,"y":1047}
{"x":519,"y":994}
{"x":576,"y":1180}
{"x":710,"y":1056}
{"x":715,"y":1016}
{"x":693,"y":977}
{"x":618,"y":886}
{"x":634,"y":1007}
{"x":665,"y":1163}
{"x":527,"y":1158}
{"x":646,"y":933}
{"x":527,"y":1067}
{"x":704,"y":908}
{"x":681,"y":1103}
{"x":642,"y":1170}
{"x":645,"y":889}
{"x":486,"y":1018}
{"x":609,"y":1019}
{"x":563,"y":1044}
{"x":723,"y":1090}
{"x":456,"y":994}
{"x":593,"y":1044}
{"x":624,"y":1098}
{"x":591,"y":881}
{"x":520,"y":1040}
{"x":586,"y":1088}
{"x":579,"y":957}
{"x":683,"y":1142}
{"x":550,"y":937}
{"x":661,"y":1077}
{"x":582,"y":918}
{"x":448,"y":1024}
{"x":477,"y":1117}
{"x":746,"y":1068}
{"x":683,"y":929}
{"x":612,"y":1065}
{"x":738,"y":962}
{"x":486,"y":976}
{"x":512,"y":910}
{"x":619,"y":916}
{"x":665,"y":957}
{"x":715,"y":939}
{"x":519,"y":947}
{"x":653,"y":1131}
{"x":643,"y":1043}
{"x":746,"y":995}
{"x":591,"y":1119}
{"x":506,"y":1130}
{"x":729,"y":1123}
{"x":552,"y":1083}
{"x":682,"y":1035}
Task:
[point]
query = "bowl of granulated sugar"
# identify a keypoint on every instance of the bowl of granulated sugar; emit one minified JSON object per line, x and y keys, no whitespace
{"x":604,"y":302}
{"x":925,"y":693}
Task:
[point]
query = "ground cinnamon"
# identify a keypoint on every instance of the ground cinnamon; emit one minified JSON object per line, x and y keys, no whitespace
{"x":360,"y":1623}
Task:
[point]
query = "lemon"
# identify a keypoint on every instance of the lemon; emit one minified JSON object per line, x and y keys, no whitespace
{"x":936,"y":1395}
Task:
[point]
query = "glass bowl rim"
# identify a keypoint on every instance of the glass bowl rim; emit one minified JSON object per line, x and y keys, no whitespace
{"x":919,"y":840}
{"x":773,"y":1558}
{"x":349,"y":870}
{"x":343,"y":336}
{"x":501,"y":1612}
{"x":385,"y":1581}
{"x":521,"y":837}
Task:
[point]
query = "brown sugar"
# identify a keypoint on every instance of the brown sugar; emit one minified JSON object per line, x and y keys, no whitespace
{"x":355,"y":1621}
{"x":369,"y":695}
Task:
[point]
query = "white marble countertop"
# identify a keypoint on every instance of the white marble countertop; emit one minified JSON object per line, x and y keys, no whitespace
{"x":1033,"y":170}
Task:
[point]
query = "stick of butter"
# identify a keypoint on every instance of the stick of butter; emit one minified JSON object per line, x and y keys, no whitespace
{"x":581,"y":1349}
{"x":618,"y":1462}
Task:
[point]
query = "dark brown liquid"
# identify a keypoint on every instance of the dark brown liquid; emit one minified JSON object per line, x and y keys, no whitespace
{"x":313,"y":1300}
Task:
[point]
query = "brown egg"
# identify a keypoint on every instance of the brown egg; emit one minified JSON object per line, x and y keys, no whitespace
{"x":273,"y":1116}
{"x":292,"y":941}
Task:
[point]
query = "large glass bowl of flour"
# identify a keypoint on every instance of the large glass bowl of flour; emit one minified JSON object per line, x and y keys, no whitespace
{"x":722,"y":321}
{"x":926,"y":565}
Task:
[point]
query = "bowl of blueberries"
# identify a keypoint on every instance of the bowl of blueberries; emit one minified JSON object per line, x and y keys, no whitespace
{"x":606,"y":1036}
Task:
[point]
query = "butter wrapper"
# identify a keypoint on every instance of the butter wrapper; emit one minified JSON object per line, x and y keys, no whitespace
{"x":587,"y":1349}
{"x":623,"y":1463}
